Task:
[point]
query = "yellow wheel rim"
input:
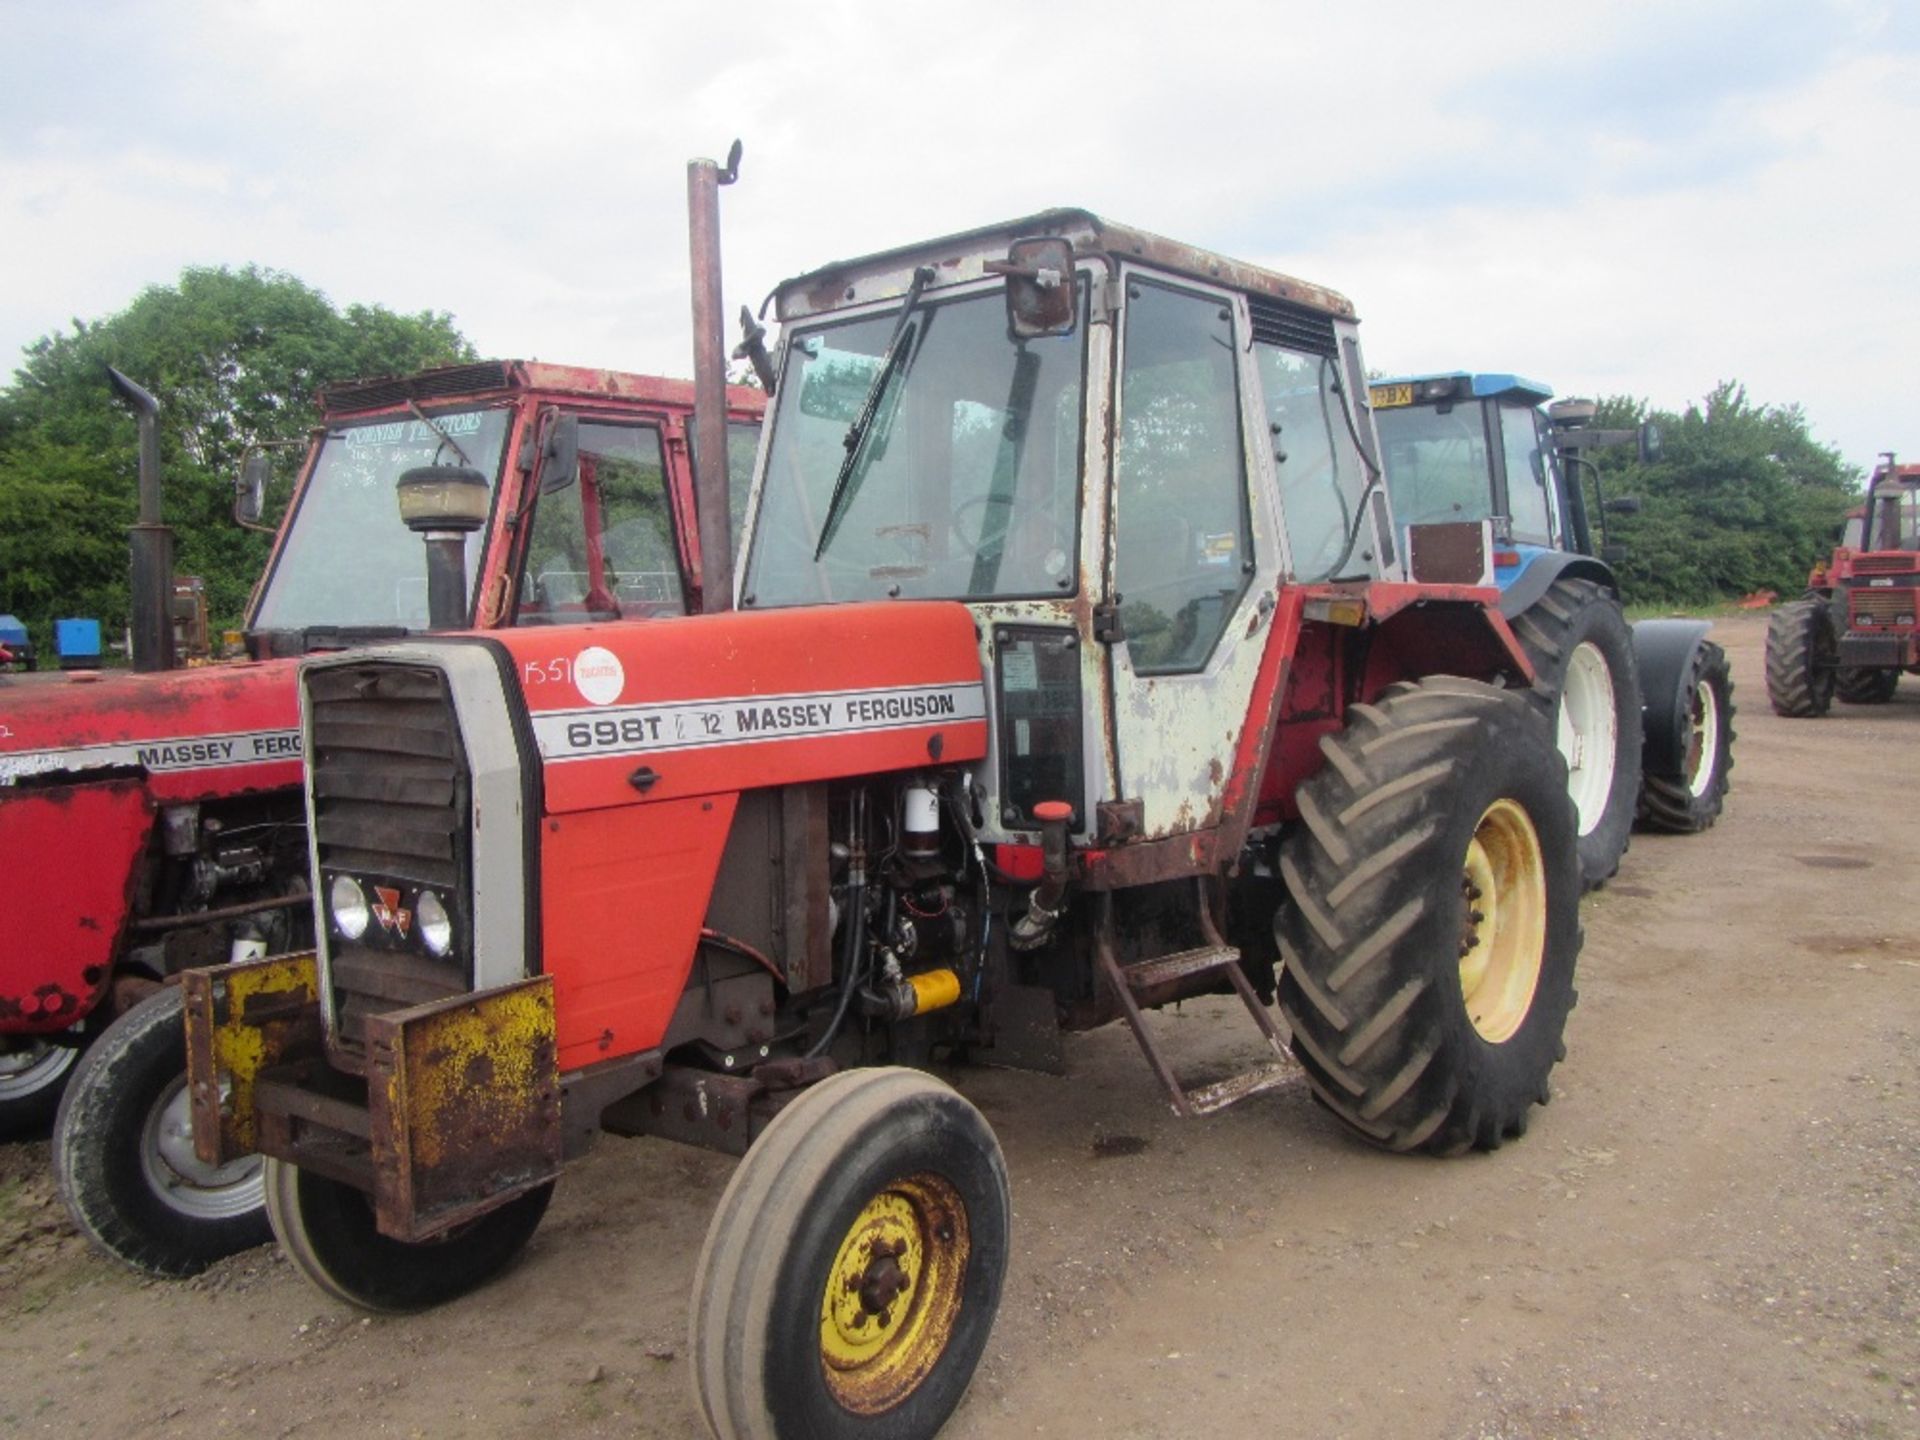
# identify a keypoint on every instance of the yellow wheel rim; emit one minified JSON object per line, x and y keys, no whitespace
{"x":893,"y":1294}
{"x":1503,"y":931}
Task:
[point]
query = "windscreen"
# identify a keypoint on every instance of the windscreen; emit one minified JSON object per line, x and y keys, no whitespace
{"x":965,"y":482}
{"x":347,"y":560}
{"x":1438,"y":468}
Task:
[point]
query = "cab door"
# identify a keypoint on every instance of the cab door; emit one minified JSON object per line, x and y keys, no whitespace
{"x":1194,"y":556}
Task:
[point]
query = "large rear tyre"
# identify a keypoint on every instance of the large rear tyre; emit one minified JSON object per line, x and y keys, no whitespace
{"x":1690,"y":801}
{"x":1866,"y":685}
{"x":1587,"y":686}
{"x":123,"y":1152}
{"x":34,"y":1071}
{"x":1802,"y":654}
{"x":327,"y":1229}
{"x":1428,"y":950}
{"x":852,"y":1272}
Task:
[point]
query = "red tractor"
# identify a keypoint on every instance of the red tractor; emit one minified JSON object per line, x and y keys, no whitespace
{"x":1025,"y":721}
{"x":1859,"y":626}
{"x":155,"y":820}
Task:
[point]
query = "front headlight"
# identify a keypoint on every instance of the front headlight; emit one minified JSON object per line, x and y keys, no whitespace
{"x":348,"y":904}
{"x":436,"y":926}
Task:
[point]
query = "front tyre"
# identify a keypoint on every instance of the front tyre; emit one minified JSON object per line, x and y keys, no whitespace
{"x":123,"y":1152}
{"x":852,"y":1272}
{"x":34,"y":1071}
{"x":1690,"y":801}
{"x":327,"y":1229}
{"x":1867,"y":685}
{"x":1428,"y":950}
{"x":1802,"y":655}
{"x":1587,"y":686}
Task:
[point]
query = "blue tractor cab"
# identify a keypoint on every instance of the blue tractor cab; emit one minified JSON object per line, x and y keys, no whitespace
{"x":1643,"y":712}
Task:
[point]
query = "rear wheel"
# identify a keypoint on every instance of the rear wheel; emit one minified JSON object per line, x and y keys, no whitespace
{"x":123,"y":1152}
{"x":852,"y":1272}
{"x":1690,"y":801}
{"x":1863,"y":686}
{"x":1586,"y":684}
{"x":1428,"y":950}
{"x":34,"y":1071}
{"x":327,"y":1229}
{"x":1801,"y":657}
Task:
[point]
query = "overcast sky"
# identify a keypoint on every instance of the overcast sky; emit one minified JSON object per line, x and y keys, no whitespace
{"x":1633,"y":198}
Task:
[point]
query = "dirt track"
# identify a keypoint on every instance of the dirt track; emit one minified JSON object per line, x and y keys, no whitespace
{"x":1714,"y":1230}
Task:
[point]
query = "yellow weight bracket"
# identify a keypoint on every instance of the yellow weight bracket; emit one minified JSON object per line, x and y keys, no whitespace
{"x":463,"y":1096}
{"x":243,"y":1019}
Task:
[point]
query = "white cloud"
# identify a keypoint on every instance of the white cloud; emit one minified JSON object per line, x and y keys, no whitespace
{"x":1630,"y":197}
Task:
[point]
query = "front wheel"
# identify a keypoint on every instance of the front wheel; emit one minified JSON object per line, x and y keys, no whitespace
{"x":327,"y":1229}
{"x":1867,"y":685}
{"x":123,"y":1152}
{"x":1428,"y":948}
{"x":852,"y":1272}
{"x":34,"y":1071}
{"x":1802,"y":653}
{"x":1691,"y":800}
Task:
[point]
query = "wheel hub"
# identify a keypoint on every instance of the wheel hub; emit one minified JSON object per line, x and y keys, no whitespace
{"x":1703,"y":739}
{"x":29,"y":1063}
{"x":1503,"y":921}
{"x":892,"y":1293}
{"x":1589,"y":732}
{"x":180,"y":1178}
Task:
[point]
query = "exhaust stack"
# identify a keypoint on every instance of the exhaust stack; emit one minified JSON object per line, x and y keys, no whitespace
{"x":152,"y":544}
{"x":704,"y":179}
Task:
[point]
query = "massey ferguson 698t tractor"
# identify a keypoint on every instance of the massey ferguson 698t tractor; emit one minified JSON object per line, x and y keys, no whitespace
{"x":1069,"y":676}
{"x":153,"y":822}
{"x":1644,"y":712}
{"x":1859,"y":626}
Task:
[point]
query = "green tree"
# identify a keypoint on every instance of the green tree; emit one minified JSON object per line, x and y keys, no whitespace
{"x":1742,"y":498}
{"x":234,"y":357}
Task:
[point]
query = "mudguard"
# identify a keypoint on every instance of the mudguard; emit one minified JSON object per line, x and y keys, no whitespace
{"x":1664,"y":651}
{"x":1519,"y":594}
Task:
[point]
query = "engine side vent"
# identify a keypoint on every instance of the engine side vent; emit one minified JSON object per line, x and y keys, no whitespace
{"x":1280,"y":322}
{"x":429,"y":385}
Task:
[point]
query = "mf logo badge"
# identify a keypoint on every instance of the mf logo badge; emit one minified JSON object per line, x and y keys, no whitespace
{"x":394,"y":917}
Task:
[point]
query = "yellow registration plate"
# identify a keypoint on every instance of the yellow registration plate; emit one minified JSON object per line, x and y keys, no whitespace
{"x":1385,"y":397}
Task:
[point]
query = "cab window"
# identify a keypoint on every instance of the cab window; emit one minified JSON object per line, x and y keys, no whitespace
{"x":1184,"y":537}
{"x":602,"y":547}
{"x":1528,"y":505}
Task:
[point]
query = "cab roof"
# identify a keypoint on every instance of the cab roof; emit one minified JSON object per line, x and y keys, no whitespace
{"x":348,"y":397}
{"x":962,"y":257}
{"x":1481,"y":386}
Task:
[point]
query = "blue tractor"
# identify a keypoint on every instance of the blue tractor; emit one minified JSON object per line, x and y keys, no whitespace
{"x":1644,"y":712}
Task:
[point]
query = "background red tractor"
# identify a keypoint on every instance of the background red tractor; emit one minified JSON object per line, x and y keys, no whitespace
{"x":1029,"y":719}
{"x":1858,"y":628}
{"x":154,"y":819}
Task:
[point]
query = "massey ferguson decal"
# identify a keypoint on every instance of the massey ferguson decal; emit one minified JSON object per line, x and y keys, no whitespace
{"x":200,"y":752}
{"x":694,"y":724}
{"x":394,"y":917}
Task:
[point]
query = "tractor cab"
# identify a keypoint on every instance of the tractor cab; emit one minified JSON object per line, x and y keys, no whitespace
{"x":1477,"y":448}
{"x":1115,"y":450}
{"x":517,"y":493}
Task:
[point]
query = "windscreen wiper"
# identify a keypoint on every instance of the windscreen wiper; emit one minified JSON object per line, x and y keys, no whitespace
{"x":892,"y":361}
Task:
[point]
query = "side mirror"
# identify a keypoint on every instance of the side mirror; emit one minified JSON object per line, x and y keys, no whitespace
{"x":1039,"y":275}
{"x":1623,"y":505}
{"x":1649,"y":442}
{"x":250,"y":490}
{"x":560,"y":456}
{"x":1614,"y":554}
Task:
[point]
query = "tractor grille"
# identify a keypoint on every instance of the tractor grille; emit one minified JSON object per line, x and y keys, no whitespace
{"x":1279,"y":322}
{"x":1883,"y":608}
{"x":1896,"y":563}
{"x":391,"y":807}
